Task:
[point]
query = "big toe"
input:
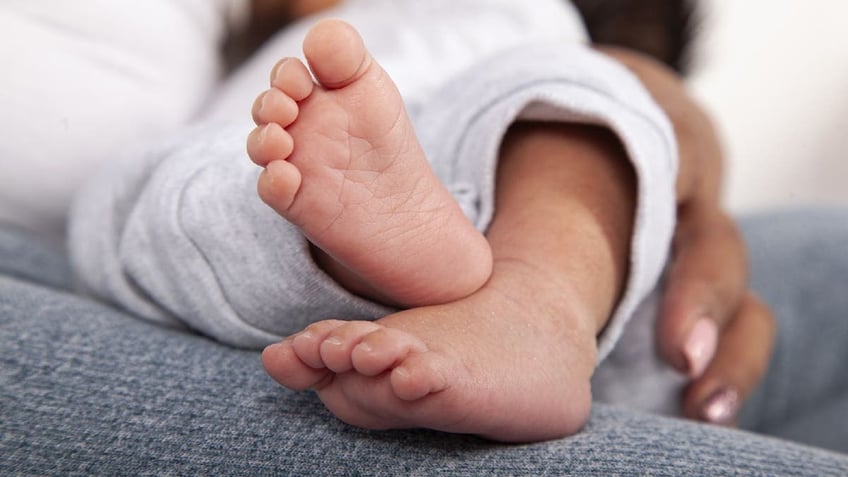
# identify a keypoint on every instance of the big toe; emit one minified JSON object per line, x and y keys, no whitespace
{"x":282,"y":363}
{"x":336,"y":53}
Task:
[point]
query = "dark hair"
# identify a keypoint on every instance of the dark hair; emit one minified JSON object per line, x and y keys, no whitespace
{"x":663,"y":29}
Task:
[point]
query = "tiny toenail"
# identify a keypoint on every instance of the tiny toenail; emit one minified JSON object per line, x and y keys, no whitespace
{"x":303,"y":335}
{"x":263,"y":105}
{"x":334,"y":341}
{"x":273,"y":346}
{"x":401,"y":372}
{"x":260,"y":136}
{"x":365,"y":348}
{"x":277,"y":68}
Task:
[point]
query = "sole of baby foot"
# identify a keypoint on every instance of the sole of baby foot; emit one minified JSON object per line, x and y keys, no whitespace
{"x":343,"y":164}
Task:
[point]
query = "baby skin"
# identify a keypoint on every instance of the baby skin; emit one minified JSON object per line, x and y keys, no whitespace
{"x":509,"y":355}
{"x":343,"y":164}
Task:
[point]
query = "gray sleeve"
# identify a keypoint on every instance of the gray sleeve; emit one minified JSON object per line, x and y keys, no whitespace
{"x":178,"y":236}
{"x":461,"y":131}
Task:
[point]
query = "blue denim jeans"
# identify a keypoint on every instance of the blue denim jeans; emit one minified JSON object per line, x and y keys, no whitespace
{"x":85,"y":389}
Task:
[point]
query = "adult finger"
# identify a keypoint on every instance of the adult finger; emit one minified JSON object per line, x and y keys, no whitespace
{"x":705,"y":284}
{"x":739,"y":365}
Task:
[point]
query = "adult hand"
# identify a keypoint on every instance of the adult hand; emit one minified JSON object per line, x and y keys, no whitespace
{"x":711,"y":328}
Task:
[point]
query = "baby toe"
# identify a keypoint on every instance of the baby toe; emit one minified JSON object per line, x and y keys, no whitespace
{"x":292,"y":77}
{"x":282,"y":363}
{"x":269,"y":142}
{"x":274,"y":106}
{"x":307,"y":343}
{"x":336,"y":53}
{"x":418,"y":376}
{"x":383,"y":349}
{"x":339,"y":344}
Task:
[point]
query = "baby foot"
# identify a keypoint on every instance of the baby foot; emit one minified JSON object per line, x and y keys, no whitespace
{"x":502,"y":364}
{"x":342,"y":163}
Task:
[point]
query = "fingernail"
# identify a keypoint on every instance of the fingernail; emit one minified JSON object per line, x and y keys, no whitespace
{"x":721,"y":407}
{"x":700,"y":347}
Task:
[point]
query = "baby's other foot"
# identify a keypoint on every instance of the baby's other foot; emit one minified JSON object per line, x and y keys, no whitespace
{"x":342,"y":163}
{"x":502,"y":363}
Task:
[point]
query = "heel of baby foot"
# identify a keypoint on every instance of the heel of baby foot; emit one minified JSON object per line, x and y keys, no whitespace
{"x":564,"y":418}
{"x":478,"y":263}
{"x":462,"y":266}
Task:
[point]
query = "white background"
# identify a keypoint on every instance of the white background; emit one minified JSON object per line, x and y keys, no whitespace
{"x":774,"y":74}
